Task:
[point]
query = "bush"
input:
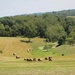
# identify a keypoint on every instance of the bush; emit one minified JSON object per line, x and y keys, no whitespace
{"x":61,"y":40}
{"x":46,"y":47}
{"x":1,"y":51}
{"x":70,"y":41}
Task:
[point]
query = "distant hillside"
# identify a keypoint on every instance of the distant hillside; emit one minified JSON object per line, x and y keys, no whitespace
{"x":64,"y":12}
{"x":70,"y":12}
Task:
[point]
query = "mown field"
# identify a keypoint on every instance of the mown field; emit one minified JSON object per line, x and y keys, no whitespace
{"x":37,"y":68}
{"x":9,"y":65}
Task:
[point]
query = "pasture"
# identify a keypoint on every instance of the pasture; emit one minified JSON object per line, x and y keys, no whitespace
{"x":9,"y":65}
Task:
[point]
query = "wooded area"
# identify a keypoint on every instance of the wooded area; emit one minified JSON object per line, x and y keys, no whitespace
{"x":55,"y":26}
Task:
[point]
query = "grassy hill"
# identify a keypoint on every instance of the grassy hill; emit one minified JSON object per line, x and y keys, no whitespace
{"x":9,"y":65}
{"x":10,"y":45}
{"x":20,"y":46}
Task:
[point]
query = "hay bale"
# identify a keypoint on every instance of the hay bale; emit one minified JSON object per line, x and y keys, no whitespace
{"x":39,"y":59}
{"x":14,"y":54}
{"x":62,"y":54}
{"x":46,"y":58}
{"x":50,"y":58}
{"x":28,"y":50}
{"x":29,"y":59}
{"x":17,"y":57}
{"x":34,"y":59}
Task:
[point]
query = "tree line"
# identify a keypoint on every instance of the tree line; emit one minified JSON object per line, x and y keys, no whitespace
{"x":50,"y":26}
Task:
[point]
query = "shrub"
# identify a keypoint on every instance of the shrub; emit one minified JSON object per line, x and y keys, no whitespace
{"x":1,"y":52}
{"x":46,"y":47}
{"x":70,"y":41}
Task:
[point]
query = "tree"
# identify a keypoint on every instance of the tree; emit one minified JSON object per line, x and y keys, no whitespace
{"x":30,"y":30}
{"x":7,"y":21}
{"x":70,"y":41}
{"x":61,"y":40}
{"x":14,"y":30}
{"x":2,"y":29}
{"x":54,"y":32}
{"x":72,"y":34}
{"x":69,"y":25}
{"x":8,"y":31}
{"x":41,"y":27}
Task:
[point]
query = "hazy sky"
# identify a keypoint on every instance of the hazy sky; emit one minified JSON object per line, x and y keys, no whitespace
{"x":16,"y":7}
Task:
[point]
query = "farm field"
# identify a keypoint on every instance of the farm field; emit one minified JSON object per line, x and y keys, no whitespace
{"x":38,"y":68}
{"x":9,"y":65}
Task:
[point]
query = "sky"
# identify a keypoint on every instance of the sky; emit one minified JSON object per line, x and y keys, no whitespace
{"x":18,"y":7}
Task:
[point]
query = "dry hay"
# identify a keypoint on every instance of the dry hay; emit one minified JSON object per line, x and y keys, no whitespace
{"x":11,"y":45}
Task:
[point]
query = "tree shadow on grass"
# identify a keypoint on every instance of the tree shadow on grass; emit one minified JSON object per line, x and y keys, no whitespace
{"x":26,"y":41}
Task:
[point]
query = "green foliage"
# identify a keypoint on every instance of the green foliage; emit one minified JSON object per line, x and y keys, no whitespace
{"x":72,"y":33}
{"x":54,"y":32}
{"x":70,"y":41}
{"x":47,"y":47}
{"x":49,"y":25}
{"x":31,"y":30}
{"x":65,"y":12}
{"x":2,"y":29}
{"x":61,"y":40}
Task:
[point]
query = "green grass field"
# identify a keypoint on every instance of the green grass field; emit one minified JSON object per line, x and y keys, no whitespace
{"x":9,"y":65}
{"x":38,"y":68}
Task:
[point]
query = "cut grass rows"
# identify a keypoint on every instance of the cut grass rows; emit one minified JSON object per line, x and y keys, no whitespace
{"x":38,"y":68}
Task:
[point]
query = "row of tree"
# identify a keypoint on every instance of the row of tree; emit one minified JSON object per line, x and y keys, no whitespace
{"x":50,"y":26}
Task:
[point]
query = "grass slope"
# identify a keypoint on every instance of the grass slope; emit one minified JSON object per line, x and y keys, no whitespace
{"x":61,"y":65}
{"x":10,"y":45}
